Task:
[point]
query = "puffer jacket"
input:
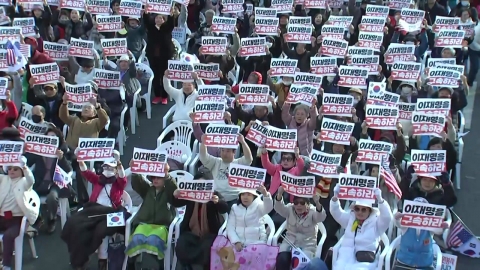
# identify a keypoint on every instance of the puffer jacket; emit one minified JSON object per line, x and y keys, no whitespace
{"x":301,"y":231}
{"x":246,"y":224}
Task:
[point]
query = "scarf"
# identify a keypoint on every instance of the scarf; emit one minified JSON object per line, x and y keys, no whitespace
{"x":198,"y":222}
{"x":102,"y":180}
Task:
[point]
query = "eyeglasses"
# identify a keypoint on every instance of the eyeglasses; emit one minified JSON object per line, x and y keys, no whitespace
{"x":361,"y":209}
{"x":288,"y":159}
{"x":298,"y":202}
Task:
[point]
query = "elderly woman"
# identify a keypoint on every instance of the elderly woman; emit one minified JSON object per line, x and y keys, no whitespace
{"x":364,"y":225}
{"x":302,"y":226}
{"x":86,"y":230}
{"x":303,"y":124}
{"x":184,"y":98}
{"x":199,"y":227}
{"x":14,"y":206}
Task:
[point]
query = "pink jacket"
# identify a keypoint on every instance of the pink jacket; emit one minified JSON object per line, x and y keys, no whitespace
{"x":115,"y":193}
{"x":274,"y":171}
{"x":304,"y":131}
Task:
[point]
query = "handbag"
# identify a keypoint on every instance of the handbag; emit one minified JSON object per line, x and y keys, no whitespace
{"x":116,"y":253}
{"x":364,"y":256}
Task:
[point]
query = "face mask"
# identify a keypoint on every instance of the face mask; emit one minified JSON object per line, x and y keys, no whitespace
{"x":287,"y":83}
{"x":406,"y":91}
{"x":330,"y":78}
{"x":36,"y":118}
{"x":108,"y":174}
{"x":465,"y":3}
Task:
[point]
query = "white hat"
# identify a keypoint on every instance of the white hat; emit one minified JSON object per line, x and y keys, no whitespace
{"x":124,"y":58}
{"x":364,"y":203}
{"x":23,"y":161}
{"x":251,"y":191}
{"x":110,"y":162}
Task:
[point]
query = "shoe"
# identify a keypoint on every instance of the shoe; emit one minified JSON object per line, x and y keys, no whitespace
{"x":102,"y":264}
{"x":51,"y":226}
{"x":164,"y":101}
{"x":156,"y":100}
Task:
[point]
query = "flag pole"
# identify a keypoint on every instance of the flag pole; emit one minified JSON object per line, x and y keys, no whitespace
{"x":285,"y":238}
{"x":464,"y":225}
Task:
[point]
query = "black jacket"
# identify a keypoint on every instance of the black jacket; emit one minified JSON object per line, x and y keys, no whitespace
{"x":213,"y":213}
{"x":159,"y":41}
{"x":441,"y":195}
{"x":52,"y":106}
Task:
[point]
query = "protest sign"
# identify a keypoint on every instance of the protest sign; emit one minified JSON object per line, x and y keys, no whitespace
{"x":373,"y":152}
{"x":209,"y":112}
{"x":284,"y":140}
{"x":11,"y":153}
{"x":45,"y":73}
{"x":42,"y":145}
{"x":257,"y":133}
{"x":200,"y":191}
{"x":381,"y":117}
{"x":298,"y":186}
{"x":253,"y":94}
{"x":28,"y":126}
{"x":107,"y":79}
{"x":428,"y":124}
{"x":222,"y":136}
{"x":423,"y":216}
{"x":78,"y":95}
{"x":81,"y":48}
{"x":213,"y":93}
{"x":357,"y":187}
{"x":436,"y":106}
{"x":324,"y":164}
{"x":245,"y":177}
{"x":149,"y":162}
{"x":334,"y":131}
{"x":431,"y":162}
{"x":95,"y":149}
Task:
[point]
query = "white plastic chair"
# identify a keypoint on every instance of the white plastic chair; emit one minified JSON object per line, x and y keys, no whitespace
{"x":387,"y":256}
{"x":268,"y":221}
{"x":181,"y":215}
{"x":379,"y":255}
{"x":168,"y":250}
{"x":177,"y":151}
{"x":321,"y":228}
{"x":147,"y":96}
{"x":461,"y":144}
{"x":134,"y":122}
{"x":168,"y":115}
{"x":122,"y":134}
{"x":34,"y":201}
{"x":143,"y":57}
{"x":111,"y":64}
{"x":26,"y":110}
{"x":182,"y":130}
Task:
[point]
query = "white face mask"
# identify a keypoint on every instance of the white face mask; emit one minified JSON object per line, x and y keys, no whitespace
{"x":108,"y":173}
{"x":287,"y":83}
{"x":330,"y":78}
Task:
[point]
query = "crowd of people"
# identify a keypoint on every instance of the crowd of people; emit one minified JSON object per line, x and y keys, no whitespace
{"x":230,"y":230}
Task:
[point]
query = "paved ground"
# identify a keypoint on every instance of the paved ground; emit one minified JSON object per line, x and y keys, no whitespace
{"x":53,"y":254}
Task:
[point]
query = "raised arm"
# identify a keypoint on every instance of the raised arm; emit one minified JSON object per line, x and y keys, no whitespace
{"x":279,"y":205}
{"x":286,"y":117}
{"x":140,"y":185}
{"x":29,"y":177}
{"x":87,"y":174}
{"x":121,"y":177}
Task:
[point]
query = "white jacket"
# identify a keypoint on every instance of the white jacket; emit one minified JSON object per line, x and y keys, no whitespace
{"x":368,"y":237}
{"x":183,"y":107}
{"x":246,"y":225}
{"x":21,"y":188}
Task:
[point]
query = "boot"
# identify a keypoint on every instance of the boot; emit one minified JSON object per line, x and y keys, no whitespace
{"x":102,"y":264}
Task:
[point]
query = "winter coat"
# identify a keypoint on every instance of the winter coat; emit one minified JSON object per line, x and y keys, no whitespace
{"x":274,"y":171}
{"x":301,"y":231}
{"x":246,"y":224}
{"x":304,"y":131}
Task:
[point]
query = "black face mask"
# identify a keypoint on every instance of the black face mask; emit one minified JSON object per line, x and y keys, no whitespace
{"x":36,"y":118}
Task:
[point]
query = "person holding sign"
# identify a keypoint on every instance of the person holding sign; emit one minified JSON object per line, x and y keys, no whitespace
{"x":292,"y":163}
{"x":302,"y":219}
{"x":363,"y":226}
{"x":219,"y":166}
{"x":8,"y":116}
{"x":90,"y":224}
{"x":76,"y":28}
{"x":304,"y":125}
{"x":85,"y":126}
{"x":154,"y":216}
{"x":416,"y":245}
{"x":14,"y":189}
{"x":200,"y":226}
{"x":436,"y":190}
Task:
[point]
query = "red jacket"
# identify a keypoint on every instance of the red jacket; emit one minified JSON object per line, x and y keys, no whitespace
{"x":115,"y":193}
{"x":236,"y":88}
{"x":11,"y":113}
{"x":40,"y":58}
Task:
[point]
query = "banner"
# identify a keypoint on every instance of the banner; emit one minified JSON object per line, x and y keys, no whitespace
{"x":324,"y":164}
{"x":222,"y":136}
{"x":95,"y":149}
{"x":298,"y":186}
{"x":78,"y":95}
{"x":149,"y":162}
{"x":423,"y":216}
{"x":357,"y":187}
{"x":334,"y":131}
{"x":11,"y":153}
{"x":45,"y":73}
{"x":245,"y":177}
{"x":26,"y":126}
{"x":42,"y":145}
{"x":200,"y":191}
{"x":257,"y":133}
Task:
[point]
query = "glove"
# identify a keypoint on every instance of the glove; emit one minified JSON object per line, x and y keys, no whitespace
{"x":340,"y":169}
{"x":444,"y":178}
{"x":23,"y":161}
{"x":336,"y":190}
{"x":378,"y":194}
{"x":76,"y":151}
{"x":116,"y":155}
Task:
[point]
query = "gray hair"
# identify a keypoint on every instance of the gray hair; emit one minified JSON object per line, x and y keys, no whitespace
{"x":301,"y":107}
{"x":210,"y":12}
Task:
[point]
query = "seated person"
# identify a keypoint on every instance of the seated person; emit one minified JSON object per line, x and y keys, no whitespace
{"x":116,"y":104}
{"x":198,"y":132}
{"x":153,"y":219}
{"x":416,"y":246}
{"x":45,"y":173}
{"x":364,"y":225}
{"x":50,"y":102}
{"x":302,"y":226}
{"x":83,"y":69}
{"x":245,"y":224}
{"x":184,"y":98}
{"x":85,"y":126}
{"x":199,"y":227}
{"x":219,"y":167}
{"x":128,"y":74}
{"x":14,"y":189}
{"x":86,"y":231}
{"x":437,"y":190}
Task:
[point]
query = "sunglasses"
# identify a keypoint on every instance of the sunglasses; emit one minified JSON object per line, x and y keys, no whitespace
{"x":288,"y":159}
{"x":298,"y":202}
{"x":361,"y":209}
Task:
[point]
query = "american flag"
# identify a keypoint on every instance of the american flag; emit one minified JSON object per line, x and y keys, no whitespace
{"x":12,"y":53}
{"x":458,"y":235}
{"x":390,"y":180}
